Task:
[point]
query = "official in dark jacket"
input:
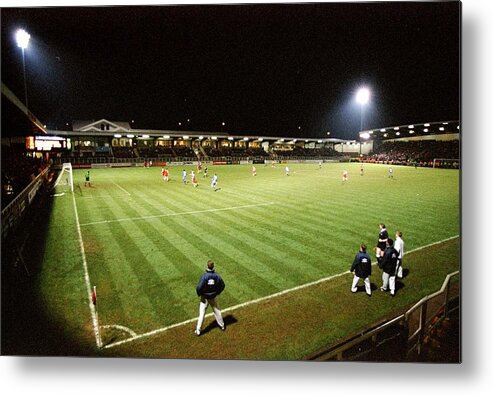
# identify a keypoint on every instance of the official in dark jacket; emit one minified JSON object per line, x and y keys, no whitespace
{"x":209,"y":287}
{"x":362,"y":270}
{"x":389,"y":265}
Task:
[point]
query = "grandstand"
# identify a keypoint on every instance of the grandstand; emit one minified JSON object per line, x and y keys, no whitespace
{"x":431,"y":144}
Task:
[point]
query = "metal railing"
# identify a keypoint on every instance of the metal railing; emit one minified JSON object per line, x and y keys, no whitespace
{"x":406,"y":331}
{"x":14,"y":211}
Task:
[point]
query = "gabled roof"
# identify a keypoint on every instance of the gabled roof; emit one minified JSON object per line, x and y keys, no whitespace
{"x":88,"y":126}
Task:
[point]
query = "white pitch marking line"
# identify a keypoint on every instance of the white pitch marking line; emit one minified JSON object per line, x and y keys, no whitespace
{"x":212,"y":210}
{"x":164,"y":329}
{"x":95,"y":322}
{"x":122,"y":328}
{"x":123,"y":189}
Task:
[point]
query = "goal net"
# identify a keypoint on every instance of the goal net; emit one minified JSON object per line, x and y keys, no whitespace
{"x":65,"y":181}
{"x":446,"y":163}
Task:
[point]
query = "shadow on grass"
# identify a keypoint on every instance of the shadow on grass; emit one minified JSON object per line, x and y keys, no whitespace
{"x":27,"y":327}
{"x":228,"y":320}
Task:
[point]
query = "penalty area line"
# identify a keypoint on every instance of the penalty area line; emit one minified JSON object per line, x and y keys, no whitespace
{"x":212,"y":210}
{"x":262,"y":299}
{"x":123,"y":189}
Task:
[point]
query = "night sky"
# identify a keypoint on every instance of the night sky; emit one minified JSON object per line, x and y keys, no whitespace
{"x":261,"y":69}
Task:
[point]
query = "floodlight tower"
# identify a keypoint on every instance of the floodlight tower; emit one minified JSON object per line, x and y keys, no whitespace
{"x":362,"y":97}
{"x":22,"y":37}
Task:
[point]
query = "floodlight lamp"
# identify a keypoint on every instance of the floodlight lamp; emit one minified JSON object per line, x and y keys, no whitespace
{"x":166,"y":136}
{"x":22,"y":37}
{"x":411,"y":126}
{"x":117,"y":136}
{"x":441,"y":129}
{"x":398,"y":133}
{"x":363,"y":96}
{"x":365,"y":135}
{"x":130,"y":136}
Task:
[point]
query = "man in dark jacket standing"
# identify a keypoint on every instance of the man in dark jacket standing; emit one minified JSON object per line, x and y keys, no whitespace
{"x":389,"y":265}
{"x":362,"y":269}
{"x":210,"y":286}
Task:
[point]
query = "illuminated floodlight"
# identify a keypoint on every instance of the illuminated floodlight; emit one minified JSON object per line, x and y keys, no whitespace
{"x":22,"y":37}
{"x":223,"y":124}
{"x":396,"y":128}
{"x":282,"y":140}
{"x":213,"y":138}
{"x":245,"y":138}
{"x":319,"y":141}
{"x":411,"y":126}
{"x":117,"y":136}
{"x":185,"y":137}
{"x":441,"y":129}
{"x":365,"y":135}
{"x":166,"y":136}
{"x":444,"y":123}
{"x":385,"y":135}
{"x":398,"y":134}
{"x":130,"y":136}
{"x":411,"y":131}
{"x":201,"y":137}
{"x":230,"y":138}
{"x":260,"y":139}
{"x":306,"y":141}
{"x":371,"y":132}
{"x":363,"y":96}
{"x":382,"y":130}
{"x":427,"y":124}
{"x":425,"y":130}
{"x":457,"y":126}
{"x":179,"y":123}
{"x":145,"y":136}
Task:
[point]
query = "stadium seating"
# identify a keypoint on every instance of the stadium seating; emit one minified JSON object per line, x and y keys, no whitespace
{"x":421,"y":152}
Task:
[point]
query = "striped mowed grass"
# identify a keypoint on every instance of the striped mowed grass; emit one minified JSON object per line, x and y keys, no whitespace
{"x":146,"y":241}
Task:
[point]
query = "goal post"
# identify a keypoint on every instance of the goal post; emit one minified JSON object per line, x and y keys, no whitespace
{"x":65,"y":180}
{"x":446,"y":163}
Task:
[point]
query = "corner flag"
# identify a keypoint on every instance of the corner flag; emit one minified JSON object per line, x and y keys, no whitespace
{"x":94,"y":296}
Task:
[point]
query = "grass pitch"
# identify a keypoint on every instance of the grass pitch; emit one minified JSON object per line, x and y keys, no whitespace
{"x":146,"y":241}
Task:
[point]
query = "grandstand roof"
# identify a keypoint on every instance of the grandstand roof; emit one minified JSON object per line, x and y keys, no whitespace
{"x":104,"y":127}
{"x":411,"y":130}
{"x":17,"y":120}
